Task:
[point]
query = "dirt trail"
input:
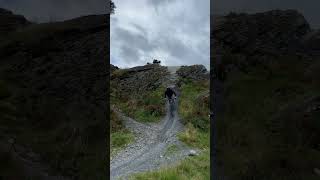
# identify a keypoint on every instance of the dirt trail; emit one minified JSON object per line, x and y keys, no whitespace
{"x":149,"y":151}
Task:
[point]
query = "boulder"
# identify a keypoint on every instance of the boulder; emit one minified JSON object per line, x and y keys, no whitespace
{"x":195,"y":72}
{"x":192,"y":153}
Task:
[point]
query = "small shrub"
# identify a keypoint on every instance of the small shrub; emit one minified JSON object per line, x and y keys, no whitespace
{"x":115,"y":123}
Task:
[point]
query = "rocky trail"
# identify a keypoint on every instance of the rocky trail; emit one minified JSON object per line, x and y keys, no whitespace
{"x":150,"y":149}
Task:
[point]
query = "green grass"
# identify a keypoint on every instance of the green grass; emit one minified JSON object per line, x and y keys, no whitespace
{"x":194,"y":110}
{"x":194,"y":103}
{"x":194,"y":168}
{"x":171,"y":150}
{"x":120,"y":139}
{"x":195,"y":137}
{"x":120,"y":136}
{"x":148,"y":107}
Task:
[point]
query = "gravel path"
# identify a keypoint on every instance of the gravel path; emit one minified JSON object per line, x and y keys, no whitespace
{"x":150,"y":149}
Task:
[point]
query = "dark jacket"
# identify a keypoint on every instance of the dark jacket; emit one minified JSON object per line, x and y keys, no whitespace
{"x":169,"y":92}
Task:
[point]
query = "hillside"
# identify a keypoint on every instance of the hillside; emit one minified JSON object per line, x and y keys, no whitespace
{"x":267,"y":90}
{"x":144,"y":130}
{"x":49,"y":73}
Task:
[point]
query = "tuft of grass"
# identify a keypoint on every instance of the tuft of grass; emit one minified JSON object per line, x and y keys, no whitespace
{"x":115,"y":122}
{"x":195,"y":137}
{"x":195,"y":168}
{"x":120,"y":139}
{"x":171,"y":150}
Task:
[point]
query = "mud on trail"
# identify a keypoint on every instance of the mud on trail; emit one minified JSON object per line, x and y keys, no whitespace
{"x":149,"y":151}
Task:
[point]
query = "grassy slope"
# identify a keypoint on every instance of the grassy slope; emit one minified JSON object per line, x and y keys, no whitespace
{"x":252,"y":142}
{"x":120,"y":136}
{"x":147,"y":106}
{"x":194,"y":110}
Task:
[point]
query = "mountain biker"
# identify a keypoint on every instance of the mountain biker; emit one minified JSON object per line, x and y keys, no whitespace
{"x":168,"y":93}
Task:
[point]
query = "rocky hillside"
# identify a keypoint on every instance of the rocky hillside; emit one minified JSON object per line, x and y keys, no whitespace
{"x":194,"y":72}
{"x":53,"y":71}
{"x":255,"y":38}
{"x":268,"y":33}
{"x":138,"y":91}
{"x":267,"y":127}
{"x":139,"y":79}
{"x":11,"y":22}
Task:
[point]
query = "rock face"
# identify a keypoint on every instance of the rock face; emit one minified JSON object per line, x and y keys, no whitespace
{"x":10,"y":22}
{"x":195,"y":72}
{"x":138,"y":80}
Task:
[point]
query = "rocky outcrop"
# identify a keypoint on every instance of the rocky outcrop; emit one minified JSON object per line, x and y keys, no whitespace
{"x":195,"y":72}
{"x":138,"y":80}
{"x":10,"y":22}
{"x":113,"y":68}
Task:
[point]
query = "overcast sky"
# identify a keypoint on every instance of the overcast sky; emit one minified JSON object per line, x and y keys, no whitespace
{"x":174,"y":31}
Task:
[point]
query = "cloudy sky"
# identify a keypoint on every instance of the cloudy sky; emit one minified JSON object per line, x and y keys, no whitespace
{"x":173,"y":31}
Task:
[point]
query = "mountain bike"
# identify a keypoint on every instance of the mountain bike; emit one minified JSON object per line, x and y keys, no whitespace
{"x":172,"y":105}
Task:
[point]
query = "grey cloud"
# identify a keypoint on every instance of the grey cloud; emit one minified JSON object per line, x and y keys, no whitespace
{"x":136,"y":40}
{"x":174,"y":37}
{"x":140,"y":29}
{"x":173,"y":45}
{"x":156,"y":3}
{"x":129,"y":53}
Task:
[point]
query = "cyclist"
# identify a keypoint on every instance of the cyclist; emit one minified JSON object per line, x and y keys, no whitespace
{"x":168,"y":93}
